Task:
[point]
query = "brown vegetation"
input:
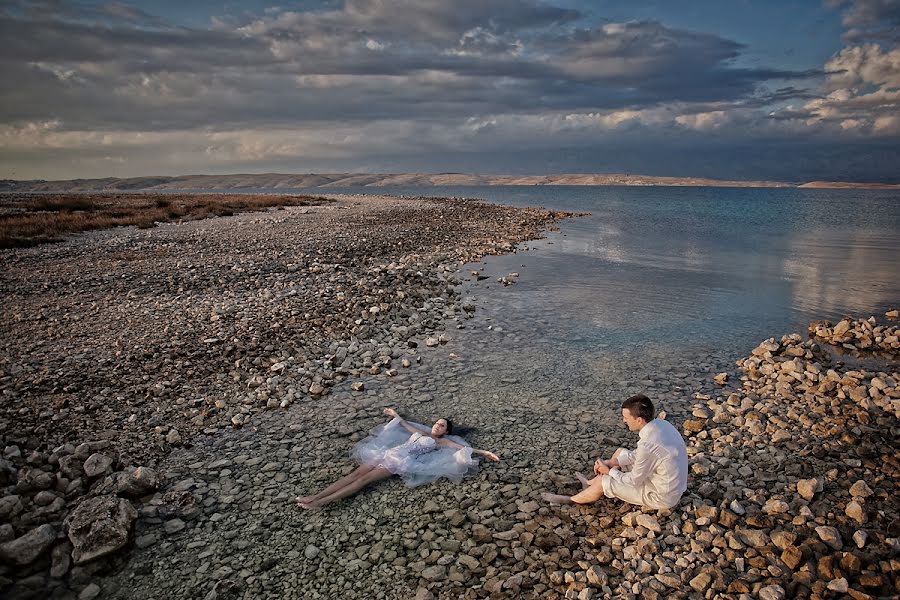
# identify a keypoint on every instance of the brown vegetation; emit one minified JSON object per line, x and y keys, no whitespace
{"x":31,"y":219}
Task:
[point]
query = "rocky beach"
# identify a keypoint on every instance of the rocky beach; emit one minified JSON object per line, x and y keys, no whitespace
{"x":168,"y":391}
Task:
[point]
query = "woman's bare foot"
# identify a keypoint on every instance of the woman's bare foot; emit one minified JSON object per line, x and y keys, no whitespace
{"x":311,"y":505}
{"x":585,"y":484}
{"x":301,"y":500}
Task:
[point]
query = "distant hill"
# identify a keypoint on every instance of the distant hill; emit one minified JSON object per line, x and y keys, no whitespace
{"x":279,"y":181}
{"x":850,"y":185}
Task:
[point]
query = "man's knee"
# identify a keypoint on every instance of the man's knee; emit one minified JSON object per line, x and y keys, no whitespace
{"x":617,"y":453}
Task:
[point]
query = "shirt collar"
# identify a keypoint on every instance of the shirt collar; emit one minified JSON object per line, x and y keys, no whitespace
{"x":647,"y":430}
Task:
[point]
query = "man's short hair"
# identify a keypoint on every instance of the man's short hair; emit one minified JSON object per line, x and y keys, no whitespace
{"x":640,"y":406}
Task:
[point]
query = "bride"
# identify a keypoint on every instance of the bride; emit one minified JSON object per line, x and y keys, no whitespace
{"x":410,"y":450}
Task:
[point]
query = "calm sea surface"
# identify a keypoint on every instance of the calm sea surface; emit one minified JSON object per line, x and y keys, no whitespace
{"x":698,"y":267}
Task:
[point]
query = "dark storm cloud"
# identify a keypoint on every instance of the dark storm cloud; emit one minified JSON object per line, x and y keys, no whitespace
{"x":869,"y":20}
{"x":368,"y":59}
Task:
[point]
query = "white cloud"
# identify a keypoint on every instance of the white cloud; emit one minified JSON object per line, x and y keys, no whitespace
{"x":703,"y":120}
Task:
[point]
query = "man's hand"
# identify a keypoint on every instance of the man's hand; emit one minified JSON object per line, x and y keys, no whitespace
{"x":391,"y":412}
{"x":600,"y":467}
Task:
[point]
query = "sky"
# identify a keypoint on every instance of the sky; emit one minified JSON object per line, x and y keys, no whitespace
{"x":789,"y":90}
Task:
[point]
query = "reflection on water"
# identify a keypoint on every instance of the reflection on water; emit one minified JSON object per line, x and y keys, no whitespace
{"x":692,"y":270}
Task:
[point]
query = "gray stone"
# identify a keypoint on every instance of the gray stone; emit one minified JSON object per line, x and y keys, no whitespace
{"x":830,"y":536}
{"x":435,"y":573}
{"x":99,"y":526}
{"x":25,"y":549}
{"x":90,"y":592}
{"x":754,"y":537}
{"x":97,"y":464}
{"x":60,"y":560}
{"x":648,"y":522}
{"x":772,"y":592}
{"x":311,"y":552}
{"x":174,"y":526}
{"x":132,"y":483}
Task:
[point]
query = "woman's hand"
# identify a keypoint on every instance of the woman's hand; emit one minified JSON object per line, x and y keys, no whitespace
{"x":491,"y":455}
{"x":391,"y":412}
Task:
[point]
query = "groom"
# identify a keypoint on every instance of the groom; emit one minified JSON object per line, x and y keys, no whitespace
{"x":654,"y":475}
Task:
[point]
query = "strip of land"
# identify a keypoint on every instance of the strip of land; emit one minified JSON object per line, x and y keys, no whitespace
{"x":31,"y":219}
{"x":279,"y":181}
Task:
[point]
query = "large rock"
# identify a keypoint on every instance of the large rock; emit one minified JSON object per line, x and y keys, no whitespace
{"x":99,"y":526}
{"x":830,"y":535}
{"x":10,"y":506}
{"x":25,"y":549}
{"x":97,"y":464}
{"x":132,"y":483}
{"x":807,"y":488}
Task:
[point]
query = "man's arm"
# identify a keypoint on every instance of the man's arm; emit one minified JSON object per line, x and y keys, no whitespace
{"x":624,"y":457}
{"x":644,"y":462}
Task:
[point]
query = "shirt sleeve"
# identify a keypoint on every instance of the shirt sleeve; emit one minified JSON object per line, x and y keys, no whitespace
{"x":642,"y":467}
{"x":626,"y":457}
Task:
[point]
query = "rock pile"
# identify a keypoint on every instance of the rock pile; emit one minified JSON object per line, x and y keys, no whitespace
{"x":793,"y":493}
{"x":859,"y":334}
{"x":62,"y":510}
{"x":796,"y":479}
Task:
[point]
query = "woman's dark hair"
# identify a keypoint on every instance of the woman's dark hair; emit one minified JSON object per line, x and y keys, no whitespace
{"x":449,"y":426}
{"x":640,"y":406}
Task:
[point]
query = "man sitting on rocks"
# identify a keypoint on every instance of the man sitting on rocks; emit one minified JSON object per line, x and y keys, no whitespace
{"x":654,"y":475}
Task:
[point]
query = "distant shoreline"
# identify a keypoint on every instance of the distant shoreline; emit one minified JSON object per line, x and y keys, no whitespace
{"x":276,"y":182}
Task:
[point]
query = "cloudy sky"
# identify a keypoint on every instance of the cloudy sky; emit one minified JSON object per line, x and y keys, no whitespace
{"x":784,"y":89}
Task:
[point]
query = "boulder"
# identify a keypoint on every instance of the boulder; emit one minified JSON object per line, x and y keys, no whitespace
{"x":132,"y":483}
{"x":99,"y":526}
{"x":807,"y":488}
{"x":25,"y":549}
{"x":97,"y":464}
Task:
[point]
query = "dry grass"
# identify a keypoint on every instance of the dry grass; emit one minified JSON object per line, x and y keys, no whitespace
{"x":31,"y":219}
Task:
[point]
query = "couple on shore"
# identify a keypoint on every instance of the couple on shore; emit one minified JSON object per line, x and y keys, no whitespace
{"x":653,"y":475}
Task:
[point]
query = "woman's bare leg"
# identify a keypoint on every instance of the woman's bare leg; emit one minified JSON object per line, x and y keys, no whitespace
{"x":340,"y":483}
{"x":376,"y":474}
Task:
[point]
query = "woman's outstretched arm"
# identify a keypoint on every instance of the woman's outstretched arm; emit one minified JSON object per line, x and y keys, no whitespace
{"x":393,"y":414}
{"x":485,"y":453}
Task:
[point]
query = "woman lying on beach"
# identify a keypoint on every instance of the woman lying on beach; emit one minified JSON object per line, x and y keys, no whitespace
{"x":410,"y":450}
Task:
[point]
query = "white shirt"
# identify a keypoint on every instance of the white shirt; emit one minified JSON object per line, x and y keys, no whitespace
{"x":659,"y":462}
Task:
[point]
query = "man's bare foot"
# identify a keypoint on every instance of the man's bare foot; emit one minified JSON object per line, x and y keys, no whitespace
{"x":555,"y":498}
{"x":585,"y":484}
{"x":311,"y":505}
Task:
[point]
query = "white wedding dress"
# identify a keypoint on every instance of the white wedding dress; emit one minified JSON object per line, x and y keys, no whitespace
{"x":414,"y":457}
